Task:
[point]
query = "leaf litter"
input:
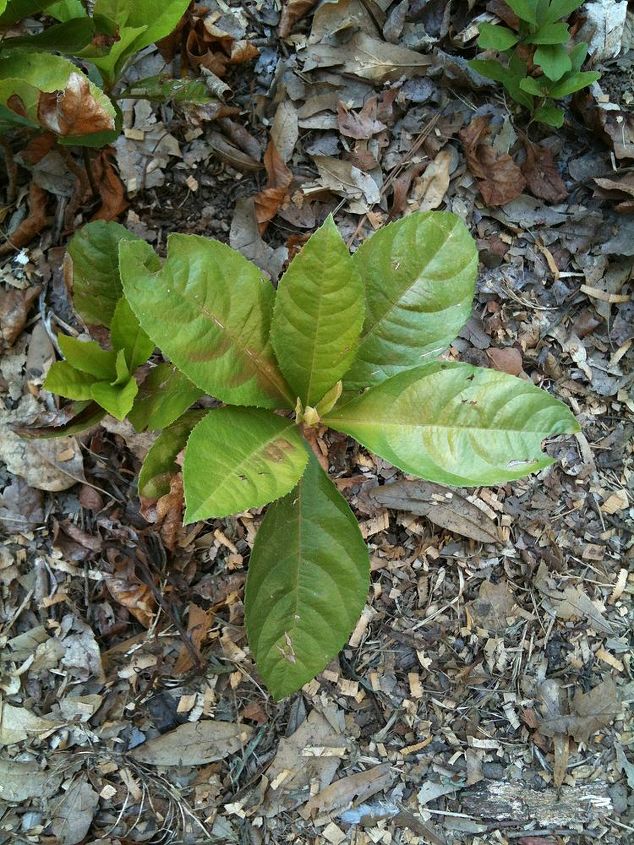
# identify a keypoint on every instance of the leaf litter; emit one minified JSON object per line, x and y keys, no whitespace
{"x":484,"y":691}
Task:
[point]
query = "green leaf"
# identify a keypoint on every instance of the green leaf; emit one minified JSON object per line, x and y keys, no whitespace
{"x":66,"y":10}
{"x":456,"y":424}
{"x":496,"y":37}
{"x":34,"y":84}
{"x":578,"y":55}
{"x":558,"y":9}
{"x":209,"y":310}
{"x":164,"y":395}
{"x":87,"y":356}
{"x":318,"y":315}
{"x":160,"y":462}
{"x":553,"y":60}
{"x":69,"y":37}
{"x":550,"y":33}
{"x":490,"y":68}
{"x":307,"y":583}
{"x":65,"y":380}
{"x":551,"y":115}
{"x":126,"y":334}
{"x":165,"y":90}
{"x":240,"y":458}
{"x":92,"y":271}
{"x":116,"y":398}
{"x":17,"y":10}
{"x":524,"y":9}
{"x":574,"y":82}
{"x":539,"y":87}
{"x":420,"y":275}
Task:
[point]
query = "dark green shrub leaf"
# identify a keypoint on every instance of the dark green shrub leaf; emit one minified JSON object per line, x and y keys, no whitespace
{"x":16,"y":10}
{"x":554,"y":61}
{"x":318,"y":315}
{"x":88,"y":357}
{"x":160,"y":462}
{"x":539,"y":87}
{"x":209,"y":310}
{"x":456,"y":424}
{"x":419,"y":274}
{"x":65,"y":380}
{"x":578,"y":55}
{"x":558,"y":9}
{"x":549,"y":33}
{"x":92,"y":270}
{"x":127,"y":334}
{"x":491,"y":69}
{"x":69,"y":37}
{"x":524,"y":9}
{"x":549,"y":114}
{"x":163,"y":396}
{"x":496,"y":37}
{"x":574,"y":82}
{"x":307,"y":582}
{"x":240,"y":458}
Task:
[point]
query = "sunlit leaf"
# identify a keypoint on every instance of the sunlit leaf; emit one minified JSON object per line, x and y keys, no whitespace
{"x":65,"y":380}
{"x":87,"y":356}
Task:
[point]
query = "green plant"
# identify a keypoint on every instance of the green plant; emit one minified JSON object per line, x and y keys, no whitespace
{"x":40,"y":89}
{"x":539,"y":64}
{"x":348,"y":342}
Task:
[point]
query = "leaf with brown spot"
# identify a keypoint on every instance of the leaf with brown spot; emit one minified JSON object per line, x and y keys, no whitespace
{"x":35,"y":221}
{"x":268,"y":201}
{"x":73,"y":111}
{"x":499,"y":179}
{"x":542,"y":176}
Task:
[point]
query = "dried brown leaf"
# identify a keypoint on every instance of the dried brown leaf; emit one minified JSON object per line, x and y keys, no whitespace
{"x":73,"y":111}
{"x":540,"y":171}
{"x":294,"y":11}
{"x":14,"y":310}
{"x":73,"y":815}
{"x":362,"y":124}
{"x":499,"y":179}
{"x":127,"y":588}
{"x":198,"y":624}
{"x":342,"y":793}
{"x":193,"y":744}
{"x":494,"y":604}
{"x":506,"y":359}
{"x":430,"y":188}
{"x":33,"y":223}
{"x":268,"y":201}
{"x":110,"y":186}
{"x":590,"y":712}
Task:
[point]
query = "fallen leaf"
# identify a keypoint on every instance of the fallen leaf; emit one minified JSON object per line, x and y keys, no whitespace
{"x":570,"y":603}
{"x":268,"y":201}
{"x":127,"y":588}
{"x":342,"y":793}
{"x":541,"y":173}
{"x":33,"y":223}
{"x":494,"y":604}
{"x":589,"y":712}
{"x":447,"y":508}
{"x":430,"y":188}
{"x":244,"y":236}
{"x":14,"y":310}
{"x":499,"y":179}
{"x":110,"y":186}
{"x":621,"y":187}
{"x":343,"y":178}
{"x":293,"y":11}
{"x":169,"y":513}
{"x":193,"y":744}
{"x":367,"y":58}
{"x":362,"y":124}
{"x":285,"y":129}
{"x":20,"y":781}
{"x":73,"y":815}
{"x":506,"y":359}
{"x":18,"y":723}
{"x":73,"y":111}
{"x":198,"y":625}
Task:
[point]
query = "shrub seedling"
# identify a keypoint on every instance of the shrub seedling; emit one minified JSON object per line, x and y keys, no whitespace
{"x":350,"y":342}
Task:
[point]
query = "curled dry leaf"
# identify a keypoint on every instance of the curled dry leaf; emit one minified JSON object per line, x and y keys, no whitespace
{"x":33,"y":223}
{"x":73,"y":111}
{"x":294,"y":11}
{"x":542,"y":176}
{"x":268,"y":201}
{"x":430,"y":188}
{"x":110,"y":186}
{"x":355,"y":788}
{"x":14,"y":310}
{"x":207,"y":46}
{"x":127,"y":588}
{"x":499,"y":179}
{"x":198,"y":624}
{"x":619,"y":188}
{"x":169,"y":513}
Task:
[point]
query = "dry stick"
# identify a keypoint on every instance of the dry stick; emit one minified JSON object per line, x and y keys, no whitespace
{"x":396,"y":171}
{"x":12,"y":171}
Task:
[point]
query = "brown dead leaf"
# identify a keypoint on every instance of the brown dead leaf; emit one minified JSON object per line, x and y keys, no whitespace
{"x":361,"y":125}
{"x":73,"y":111}
{"x":198,"y":624}
{"x":268,"y":201}
{"x":294,"y":11}
{"x":590,"y":712}
{"x":14,"y":310}
{"x":620,"y":188}
{"x":494,"y":604}
{"x":499,"y":179}
{"x":540,"y":171}
{"x":73,"y":815}
{"x":38,"y":147}
{"x":352,"y":789}
{"x":570,"y":603}
{"x":207,"y":46}
{"x":430,"y":188}
{"x":193,"y":744}
{"x":33,"y":223}
{"x":169,"y":513}
{"x":506,"y":359}
{"x":127,"y":588}
{"x":110,"y":186}
{"x":444,"y":507}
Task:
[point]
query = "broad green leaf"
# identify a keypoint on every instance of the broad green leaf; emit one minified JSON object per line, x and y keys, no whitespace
{"x":496,"y":37}
{"x":126,"y":334}
{"x":318,"y":315}
{"x":209,"y":310}
{"x":307,"y":582}
{"x":92,"y":271}
{"x":578,"y":55}
{"x":549,"y":114}
{"x":116,"y":398}
{"x":524,"y":9}
{"x":456,"y":424}
{"x":66,"y":10}
{"x":163,"y":396}
{"x":160,"y":462}
{"x":558,"y":9}
{"x":165,"y":90}
{"x":490,"y":68}
{"x":65,"y":380}
{"x":240,"y":458}
{"x":87,"y":356}
{"x":419,"y":275}
{"x":68,"y":37}
{"x":539,"y":87}
{"x":574,"y":82}
{"x":53,"y":93}
{"x":17,"y":10}
{"x":554,"y":61}
{"x":550,"y":33}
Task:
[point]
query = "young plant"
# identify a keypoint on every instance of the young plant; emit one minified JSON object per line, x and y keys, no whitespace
{"x":349,"y":342}
{"x":537,"y":65}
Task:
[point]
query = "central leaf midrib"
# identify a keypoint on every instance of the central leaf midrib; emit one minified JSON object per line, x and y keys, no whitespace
{"x":445,"y":427}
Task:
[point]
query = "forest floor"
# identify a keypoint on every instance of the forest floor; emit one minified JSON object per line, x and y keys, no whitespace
{"x":485,"y":694}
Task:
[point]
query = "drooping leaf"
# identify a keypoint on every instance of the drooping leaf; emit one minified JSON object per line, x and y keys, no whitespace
{"x":66,"y":381}
{"x":496,"y":37}
{"x":127,"y":334}
{"x":163,"y":396}
{"x":318,"y":315}
{"x":240,"y":458}
{"x":87,"y":356}
{"x":160,"y":462}
{"x":554,"y":61}
{"x":92,"y":270}
{"x":307,"y":582}
{"x":574,"y":82}
{"x":69,"y":37}
{"x":209,"y":310}
{"x":419,"y":275}
{"x":456,"y":424}
{"x":117,"y":399}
